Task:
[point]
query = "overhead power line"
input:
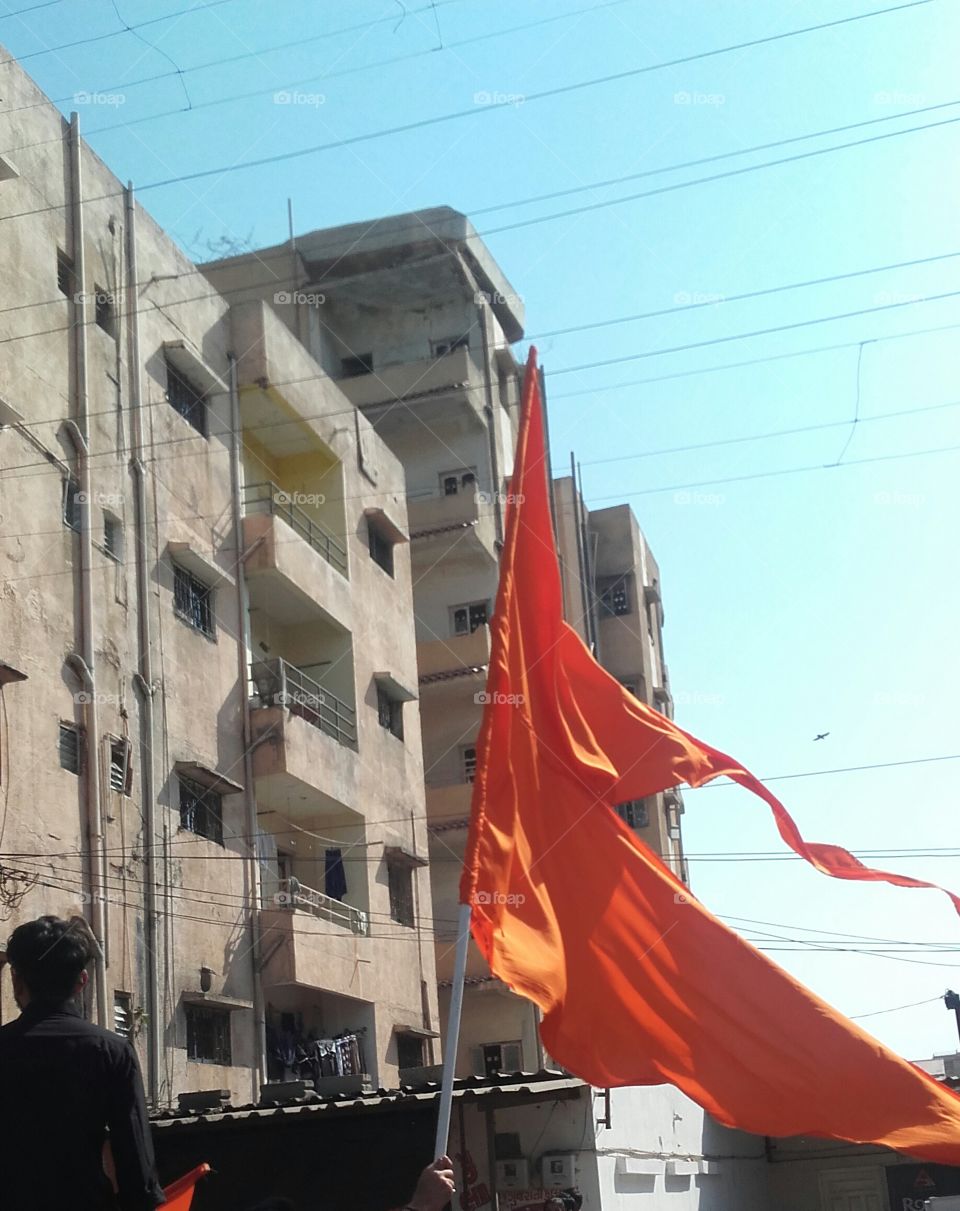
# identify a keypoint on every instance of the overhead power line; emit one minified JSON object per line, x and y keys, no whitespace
{"x":858,"y":1017}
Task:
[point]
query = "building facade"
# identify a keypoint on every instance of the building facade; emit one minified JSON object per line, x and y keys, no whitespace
{"x":208,"y":743}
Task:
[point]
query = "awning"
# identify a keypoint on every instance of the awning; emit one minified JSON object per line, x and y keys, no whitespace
{"x":186,"y":358}
{"x":385,"y":524}
{"x":198,"y":562}
{"x":8,"y":674}
{"x":208,"y":777}
{"x":416,"y":1032}
{"x":403,"y":856}
{"x":394,"y":689}
{"x":214,"y":1000}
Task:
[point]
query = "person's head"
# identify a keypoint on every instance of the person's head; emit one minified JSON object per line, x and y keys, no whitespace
{"x":48,"y":959}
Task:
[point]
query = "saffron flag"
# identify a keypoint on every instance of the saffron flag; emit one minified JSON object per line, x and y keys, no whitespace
{"x":639,"y":984}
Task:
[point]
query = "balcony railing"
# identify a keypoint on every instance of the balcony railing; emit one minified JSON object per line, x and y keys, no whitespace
{"x":268,"y":498}
{"x":278,"y":683}
{"x":296,"y":895}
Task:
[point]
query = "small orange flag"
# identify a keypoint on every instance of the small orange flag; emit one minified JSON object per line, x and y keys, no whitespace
{"x":639,"y":984}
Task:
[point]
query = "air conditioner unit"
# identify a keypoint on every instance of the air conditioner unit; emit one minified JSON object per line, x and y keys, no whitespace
{"x":513,"y":1175}
{"x":558,"y":1169}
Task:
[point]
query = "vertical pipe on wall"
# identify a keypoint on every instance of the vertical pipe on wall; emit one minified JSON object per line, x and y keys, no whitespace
{"x":80,"y":435}
{"x":144,"y":680}
{"x":259,"y":1074}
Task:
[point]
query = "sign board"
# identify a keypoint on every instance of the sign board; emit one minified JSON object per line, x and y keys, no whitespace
{"x":525,"y":1200}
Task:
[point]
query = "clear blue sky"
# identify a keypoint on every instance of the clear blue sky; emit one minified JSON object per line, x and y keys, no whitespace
{"x":823,"y":601}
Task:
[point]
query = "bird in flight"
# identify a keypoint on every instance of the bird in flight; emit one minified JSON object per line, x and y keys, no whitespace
{"x":822,"y":736}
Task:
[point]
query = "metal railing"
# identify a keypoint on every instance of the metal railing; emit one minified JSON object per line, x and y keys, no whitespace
{"x":278,"y":683}
{"x":293,"y":894}
{"x":268,"y":498}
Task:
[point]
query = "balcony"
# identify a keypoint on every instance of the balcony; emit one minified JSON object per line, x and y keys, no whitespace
{"x":299,"y":952}
{"x":436,"y":384}
{"x":458,"y":526}
{"x":295,"y":896}
{"x":462,"y":659}
{"x":305,"y":740}
{"x":296,"y":571}
{"x":448,"y":803}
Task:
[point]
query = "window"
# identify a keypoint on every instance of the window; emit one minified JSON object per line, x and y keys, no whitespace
{"x":123,"y":1014}
{"x":400,"y":883}
{"x":390,"y":712}
{"x":70,"y":747}
{"x":65,"y":274}
{"x":449,"y":344}
{"x":186,"y":398}
{"x":409,"y":1051}
{"x":208,"y":1034}
{"x":360,"y":363}
{"x":634,"y":813}
{"x":113,"y":537}
{"x":121,"y":767}
{"x":106,"y":312}
{"x":468,"y":756}
{"x":452,"y":482}
{"x":201,"y":810}
{"x":71,"y":504}
{"x":468,"y":617}
{"x":614,"y":594}
{"x":381,"y":548}
{"x":501,"y":1057}
{"x":191,"y":600}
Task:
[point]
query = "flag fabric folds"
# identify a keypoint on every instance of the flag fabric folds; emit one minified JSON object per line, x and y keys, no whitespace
{"x":638,"y":982}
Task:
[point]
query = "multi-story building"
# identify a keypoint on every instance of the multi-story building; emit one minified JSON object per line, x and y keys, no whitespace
{"x":208,"y":743}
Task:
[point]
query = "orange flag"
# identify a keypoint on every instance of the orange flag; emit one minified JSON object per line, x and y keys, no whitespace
{"x":639,"y":984}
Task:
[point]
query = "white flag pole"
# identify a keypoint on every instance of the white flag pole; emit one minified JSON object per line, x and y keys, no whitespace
{"x":453,"y":1031}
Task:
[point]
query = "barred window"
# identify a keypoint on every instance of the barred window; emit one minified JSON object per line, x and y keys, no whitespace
{"x":201,"y":810}
{"x":123,"y":1014}
{"x":634,"y":813}
{"x":614,"y":594}
{"x":187,"y":399}
{"x":191,"y":600}
{"x":400,"y":882}
{"x":208,"y":1034}
{"x":70,"y":747}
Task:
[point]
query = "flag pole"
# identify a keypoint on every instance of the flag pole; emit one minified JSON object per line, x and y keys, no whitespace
{"x":453,"y":1031}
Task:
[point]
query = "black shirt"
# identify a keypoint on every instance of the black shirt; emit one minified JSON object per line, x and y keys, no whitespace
{"x":63,"y":1082}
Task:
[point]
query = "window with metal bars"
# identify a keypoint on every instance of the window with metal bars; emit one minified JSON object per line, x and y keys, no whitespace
{"x":123,"y":1014}
{"x":454,"y":482}
{"x":381,"y":548}
{"x":468,"y":757}
{"x":449,"y":344}
{"x":121,"y":767}
{"x":400,"y":885}
{"x":208,"y":1034}
{"x":201,"y":810}
{"x":409,"y":1051}
{"x":352,"y":367}
{"x":390,"y":713}
{"x":65,"y":274}
{"x":186,"y":398}
{"x":469,"y":616}
{"x":192,"y":600}
{"x":113,"y":537}
{"x":634,"y":813}
{"x":71,"y":504}
{"x":105,"y":310}
{"x":70,"y":747}
{"x":614,"y":594}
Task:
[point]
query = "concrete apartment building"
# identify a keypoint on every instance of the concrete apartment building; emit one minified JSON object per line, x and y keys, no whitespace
{"x":208,"y":746}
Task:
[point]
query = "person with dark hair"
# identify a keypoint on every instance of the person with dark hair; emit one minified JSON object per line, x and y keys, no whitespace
{"x":65,"y":1084}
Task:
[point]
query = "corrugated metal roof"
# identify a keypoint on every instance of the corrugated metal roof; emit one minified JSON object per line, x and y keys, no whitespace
{"x":537,"y":1085}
